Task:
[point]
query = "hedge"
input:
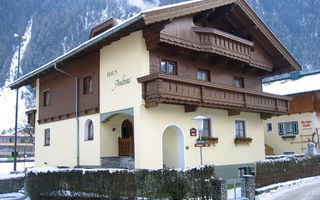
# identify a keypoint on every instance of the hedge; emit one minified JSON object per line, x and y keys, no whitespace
{"x":116,"y":184}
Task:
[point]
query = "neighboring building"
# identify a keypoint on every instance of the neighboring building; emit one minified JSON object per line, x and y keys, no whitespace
{"x":140,"y":84}
{"x":291,"y":132}
{"x":25,"y":145}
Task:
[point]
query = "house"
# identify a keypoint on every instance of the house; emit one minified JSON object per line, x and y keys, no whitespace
{"x":25,"y":146}
{"x":127,"y":97}
{"x":291,"y":132}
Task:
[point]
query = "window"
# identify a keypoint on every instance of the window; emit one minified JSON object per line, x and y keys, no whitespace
{"x":240,"y":128}
{"x":206,"y":128}
{"x":203,"y":75}
{"x":269,"y":127}
{"x":89,"y":131}
{"x":168,"y":67}
{"x":288,"y":128}
{"x":47,"y":137}
{"x":242,"y":171}
{"x":46,"y":98}
{"x":238,"y":82}
{"x":87,"y":85}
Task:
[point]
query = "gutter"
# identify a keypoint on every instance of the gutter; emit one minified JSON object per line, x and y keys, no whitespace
{"x":20,"y":82}
{"x":77,"y":108}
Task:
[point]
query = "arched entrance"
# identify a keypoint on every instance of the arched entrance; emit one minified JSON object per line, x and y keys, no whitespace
{"x":173,"y":154}
{"x":126,"y":129}
{"x":126,"y":141}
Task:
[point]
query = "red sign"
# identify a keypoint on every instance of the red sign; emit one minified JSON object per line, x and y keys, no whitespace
{"x":306,"y":124}
{"x":193,"y":132}
{"x":202,"y":145}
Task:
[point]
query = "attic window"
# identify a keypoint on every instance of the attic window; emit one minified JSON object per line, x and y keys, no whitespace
{"x":46,"y":97}
{"x":87,"y":85}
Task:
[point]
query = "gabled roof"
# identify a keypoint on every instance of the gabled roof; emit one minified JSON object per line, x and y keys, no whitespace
{"x":149,"y":17}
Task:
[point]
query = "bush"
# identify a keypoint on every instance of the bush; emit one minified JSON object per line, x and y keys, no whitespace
{"x":103,"y":184}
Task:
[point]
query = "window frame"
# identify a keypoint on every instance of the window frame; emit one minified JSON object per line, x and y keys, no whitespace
{"x":204,"y":71}
{"x":46,"y":102}
{"x":87,"y":88}
{"x":167,"y":62}
{"x":47,"y":137}
{"x":87,"y":130}
{"x":210,"y":127}
{"x":245,"y":135}
{"x":282,"y":129}
{"x":267,"y":130}
{"x":235,"y":78}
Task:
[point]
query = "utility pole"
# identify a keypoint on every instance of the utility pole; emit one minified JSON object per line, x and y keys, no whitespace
{"x":20,"y":39}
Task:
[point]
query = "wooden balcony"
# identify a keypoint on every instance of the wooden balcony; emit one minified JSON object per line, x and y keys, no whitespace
{"x":163,"y":88}
{"x":126,"y":146}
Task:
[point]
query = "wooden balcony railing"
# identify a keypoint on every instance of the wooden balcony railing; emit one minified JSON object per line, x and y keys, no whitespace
{"x":126,"y":146}
{"x":225,"y":43}
{"x":163,"y":88}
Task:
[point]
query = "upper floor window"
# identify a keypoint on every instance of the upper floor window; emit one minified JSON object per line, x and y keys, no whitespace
{"x":206,"y":128}
{"x":288,"y":128}
{"x":47,"y":137}
{"x":240,"y":128}
{"x":168,"y":67}
{"x":46,"y":97}
{"x":89,"y":131}
{"x":269,"y":127}
{"x":87,"y":85}
{"x":203,"y":75}
{"x":238,"y":82}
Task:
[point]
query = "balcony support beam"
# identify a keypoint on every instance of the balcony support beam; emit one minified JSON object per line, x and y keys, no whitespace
{"x":190,"y":108}
{"x":233,"y":112}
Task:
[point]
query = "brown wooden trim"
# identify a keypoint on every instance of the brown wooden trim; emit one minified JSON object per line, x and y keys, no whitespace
{"x":154,"y":76}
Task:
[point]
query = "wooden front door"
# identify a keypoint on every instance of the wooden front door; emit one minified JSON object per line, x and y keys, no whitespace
{"x":126,"y":142}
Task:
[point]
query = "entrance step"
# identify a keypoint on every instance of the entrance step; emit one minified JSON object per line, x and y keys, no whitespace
{"x":122,"y":162}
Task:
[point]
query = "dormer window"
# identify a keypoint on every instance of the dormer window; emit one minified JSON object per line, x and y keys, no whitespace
{"x":168,"y":67}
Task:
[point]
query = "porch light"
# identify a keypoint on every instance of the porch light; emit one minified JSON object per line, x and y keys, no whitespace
{"x":199,"y":121}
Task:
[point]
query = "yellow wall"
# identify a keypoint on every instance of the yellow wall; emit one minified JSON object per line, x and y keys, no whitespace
{"x":280,"y":145}
{"x":170,"y":148}
{"x":153,"y":121}
{"x":63,"y":139}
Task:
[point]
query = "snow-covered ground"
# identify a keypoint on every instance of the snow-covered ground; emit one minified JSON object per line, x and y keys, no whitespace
{"x":282,"y":190}
{"x":6,"y":168}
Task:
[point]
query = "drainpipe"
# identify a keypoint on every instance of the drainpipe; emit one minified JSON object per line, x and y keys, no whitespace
{"x":77,"y":107}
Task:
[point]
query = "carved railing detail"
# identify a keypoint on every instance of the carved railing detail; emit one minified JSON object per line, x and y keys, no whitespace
{"x":163,"y":88}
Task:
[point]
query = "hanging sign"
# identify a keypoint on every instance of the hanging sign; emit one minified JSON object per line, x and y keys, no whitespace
{"x":193,"y":132}
{"x":202,"y":145}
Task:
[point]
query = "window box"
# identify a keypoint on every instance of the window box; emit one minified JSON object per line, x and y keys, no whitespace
{"x":210,"y":140}
{"x":242,"y":140}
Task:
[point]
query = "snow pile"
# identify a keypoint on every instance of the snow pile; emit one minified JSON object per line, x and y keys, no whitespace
{"x":11,"y":176}
{"x":46,"y":169}
{"x":271,"y":191}
{"x":283,"y":158}
{"x":304,"y":84}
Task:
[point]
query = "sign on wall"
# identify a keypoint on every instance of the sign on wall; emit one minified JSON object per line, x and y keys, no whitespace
{"x":123,"y":80}
{"x":306,"y":124}
{"x":193,"y":132}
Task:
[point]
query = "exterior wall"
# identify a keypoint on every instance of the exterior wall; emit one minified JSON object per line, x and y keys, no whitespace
{"x":62,"y":90}
{"x":153,"y":121}
{"x":279,"y":144}
{"x":188,"y":67}
{"x":121,"y":67}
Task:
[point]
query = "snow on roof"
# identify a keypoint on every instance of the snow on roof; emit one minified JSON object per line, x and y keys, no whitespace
{"x":285,"y":87}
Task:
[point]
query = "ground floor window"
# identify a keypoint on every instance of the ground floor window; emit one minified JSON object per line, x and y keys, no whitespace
{"x":206,"y":128}
{"x":47,"y":137}
{"x":240,"y":128}
{"x":88,"y":130}
{"x":269,"y":127}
